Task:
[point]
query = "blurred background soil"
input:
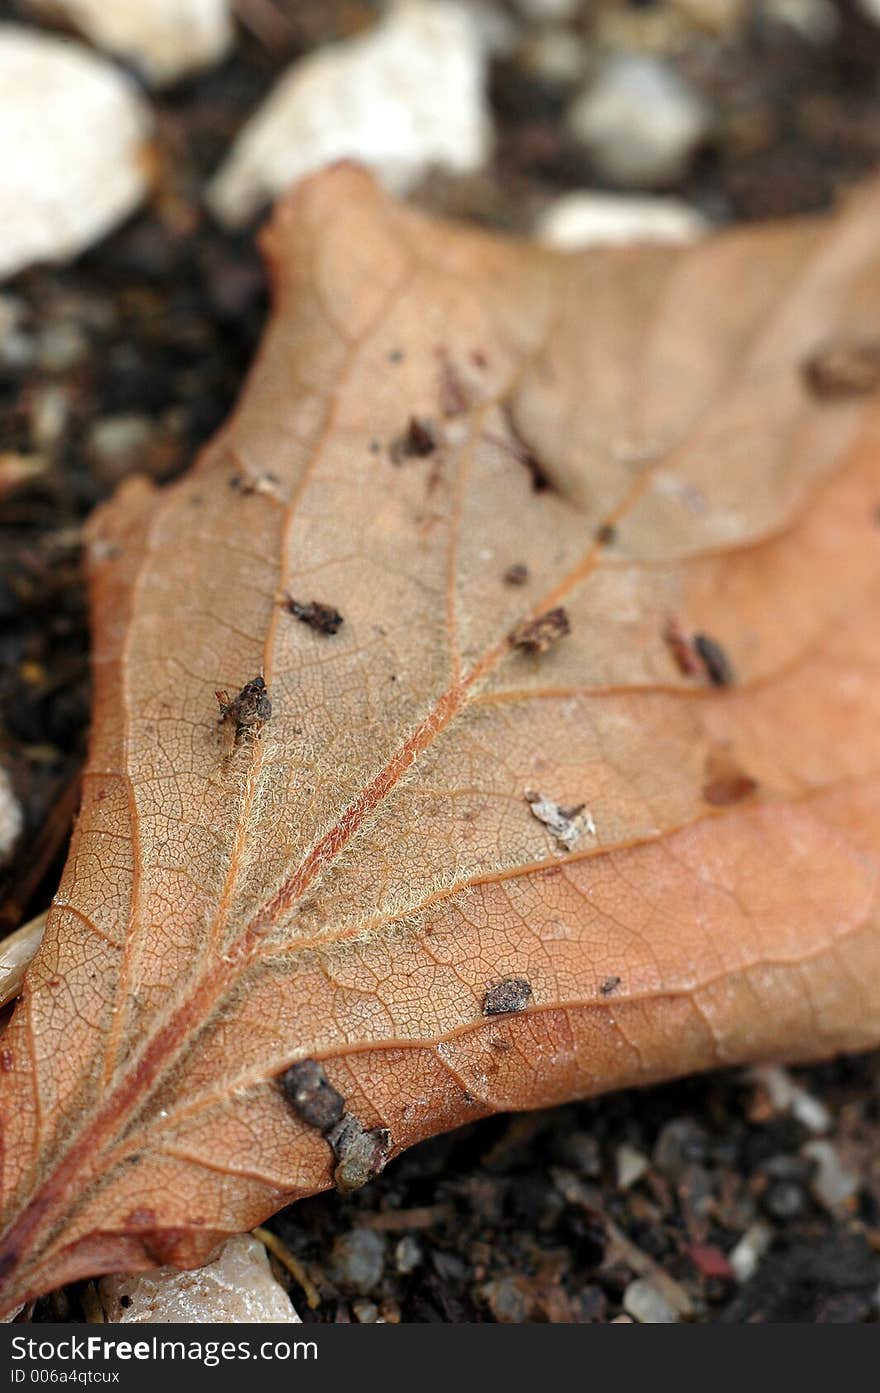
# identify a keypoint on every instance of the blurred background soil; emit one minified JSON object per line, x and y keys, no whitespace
{"x":725,"y":1198}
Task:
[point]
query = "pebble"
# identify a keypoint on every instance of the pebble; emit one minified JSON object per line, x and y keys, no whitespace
{"x":631,"y":1165}
{"x":406,"y":97}
{"x":832,"y":1184}
{"x":163,"y":39}
{"x":11,"y":820}
{"x":786,"y":1095}
{"x":407,"y":1255}
{"x":118,"y":444}
{"x":640,"y":121}
{"x":554,"y":56}
{"x":588,"y":219}
{"x":784,"y":1199}
{"x":236,"y":1286}
{"x":357,"y":1260}
{"x":61,"y":346}
{"x":582,"y":1152}
{"x":679,"y":1144}
{"x":73,"y":166}
{"x":646,"y":1304}
{"x":746,"y":1256}
{"x":365,"y":1312}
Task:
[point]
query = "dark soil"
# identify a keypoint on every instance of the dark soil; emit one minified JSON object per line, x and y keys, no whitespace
{"x":127,"y":360}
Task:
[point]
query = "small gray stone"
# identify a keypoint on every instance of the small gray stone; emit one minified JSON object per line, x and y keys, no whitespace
{"x":640,"y":121}
{"x":832,"y":1184}
{"x":647,"y":1305}
{"x":365,"y":1312}
{"x":407,"y":1255}
{"x":358,"y":1260}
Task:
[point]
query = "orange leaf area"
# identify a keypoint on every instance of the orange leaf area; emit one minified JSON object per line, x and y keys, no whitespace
{"x":490,"y":716}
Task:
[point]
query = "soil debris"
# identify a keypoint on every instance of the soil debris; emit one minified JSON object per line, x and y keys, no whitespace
{"x":507,"y":997}
{"x":606,"y":535}
{"x":417,"y":442}
{"x":680,"y":647}
{"x":361,"y":1154}
{"x":609,"y":986}
{"x":311,"y":1095}
{"x":715,"y":661}
{"x":247,"y":486}
{"x":250,"y":709}
{"x":843,"y":368}
{"x":324,"y":619}
{"x":517,"y":574}
{"x":540,"y":634}
{"x":566,"y":824}
{"x":726,"y":783}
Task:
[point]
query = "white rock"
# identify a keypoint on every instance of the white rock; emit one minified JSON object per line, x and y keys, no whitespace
{"x":237,"y":1286}
{"x":630,"y":1165}
{"x":73,"y":137}
{"x":832,"y":1185}
{"x":788,"y":1096}
{"x":646,"y":1304}
{"x":745,"y":1258}
{"x":407,"y":96}
{"x":640,"y":121}
{"x":163,"y":39}
{"x":10,"y":818}
{"x":589,"y":219}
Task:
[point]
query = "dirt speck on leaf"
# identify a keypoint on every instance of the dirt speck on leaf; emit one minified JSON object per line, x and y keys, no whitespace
{"x":310,"y":1094}
{"x":249,"y":709}
{"x":324,"y":619}
{"x":566,"y":824}
{"x":715,"y":661}
{"x":507,"y":997}
{"x":360,"y":1154}
{"x":540,"y":634}
{"x":417,"y":442}
{"x":726,"y":783}
{"x":843,"y":368}
{"x":517,"y":574}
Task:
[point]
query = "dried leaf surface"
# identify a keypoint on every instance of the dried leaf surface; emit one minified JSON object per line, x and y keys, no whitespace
{"x":349,"y":879}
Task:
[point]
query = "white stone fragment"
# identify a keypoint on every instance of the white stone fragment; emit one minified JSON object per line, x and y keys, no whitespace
{"x":73,"y":148}
{"x":786,"y":1095}
{"x":567,"y":825}
{"x":237,"y":1286}
{"x":10,"y":817}
{"x":406,"y":97}
{"x":586,"y":219}
{"x":630,"y":1165}
{"x":646,"y":1304}
{"x":640,"y":121}
{"x":833,"y":1185}
{"x":745,"y":1258}
{"x":163,"y":39}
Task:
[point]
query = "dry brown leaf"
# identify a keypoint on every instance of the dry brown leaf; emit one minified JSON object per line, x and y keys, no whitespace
{"x":351,"y":878}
